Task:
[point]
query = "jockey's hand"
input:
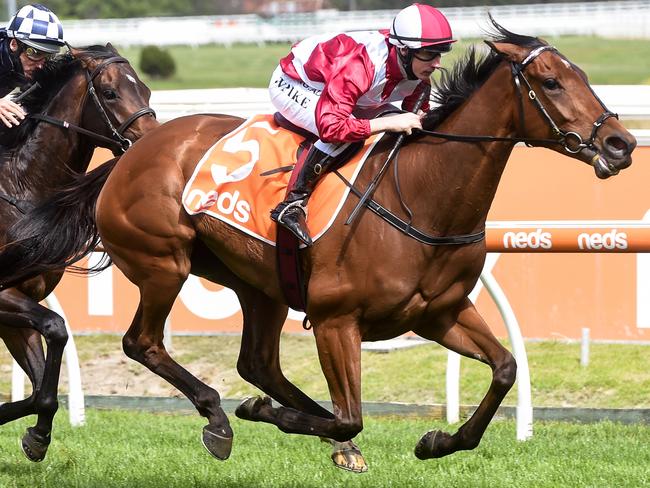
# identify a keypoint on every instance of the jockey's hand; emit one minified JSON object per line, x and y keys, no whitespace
{"x":405,"y":122}
{"x":10,"y":112}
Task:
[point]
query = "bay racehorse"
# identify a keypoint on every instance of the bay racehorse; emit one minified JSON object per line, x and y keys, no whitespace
{"x":368,"y":281}
{"x":98,"y":96}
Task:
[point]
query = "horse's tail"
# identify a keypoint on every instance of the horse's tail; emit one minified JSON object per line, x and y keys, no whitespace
{"x":57,"y":233}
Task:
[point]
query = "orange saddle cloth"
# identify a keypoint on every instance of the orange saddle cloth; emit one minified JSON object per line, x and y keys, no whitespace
{"x":227,"y":182}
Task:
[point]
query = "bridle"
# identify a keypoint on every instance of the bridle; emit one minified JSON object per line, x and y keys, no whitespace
{"x":117,"y":134}
{"x":571,"y":141}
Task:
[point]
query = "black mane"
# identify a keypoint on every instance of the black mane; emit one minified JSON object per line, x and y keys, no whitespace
{"x":51,"y":79}
{"x":470,"y":72}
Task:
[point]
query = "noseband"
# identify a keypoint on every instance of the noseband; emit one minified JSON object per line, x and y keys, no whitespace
{"x":571,"y":141}
{"x":117,"y":135}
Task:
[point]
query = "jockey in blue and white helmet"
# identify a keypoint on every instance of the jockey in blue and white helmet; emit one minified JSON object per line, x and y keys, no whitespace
{"x":33,"y":35}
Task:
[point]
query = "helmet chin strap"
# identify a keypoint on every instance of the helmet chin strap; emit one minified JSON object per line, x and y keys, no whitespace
{"x":407,"y":62}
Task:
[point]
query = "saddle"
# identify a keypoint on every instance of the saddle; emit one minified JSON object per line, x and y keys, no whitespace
{"x":290,"y":271}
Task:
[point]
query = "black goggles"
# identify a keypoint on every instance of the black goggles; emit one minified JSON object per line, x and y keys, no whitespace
{"x":425,"y":54}
{"x":34,"y":54}
{"x":430,"y":53}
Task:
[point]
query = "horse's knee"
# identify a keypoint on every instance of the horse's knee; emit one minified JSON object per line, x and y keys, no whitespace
{"x":505,"y":373}
{"x":54,"y":331}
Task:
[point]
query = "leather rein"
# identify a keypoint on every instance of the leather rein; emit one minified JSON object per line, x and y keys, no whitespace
{"x":572,"y":142}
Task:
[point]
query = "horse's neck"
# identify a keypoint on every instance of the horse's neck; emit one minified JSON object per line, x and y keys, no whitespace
{"x":462,"y":178}
{"x":51,"y":154}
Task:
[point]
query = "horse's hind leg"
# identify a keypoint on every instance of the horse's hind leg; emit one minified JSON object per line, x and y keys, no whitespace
{"x":471,"y":337}
{"x":143,"y":342}
{"x":26,"y":348}
{"x":150,"y":238}
{"x":259,"y":364}
{"x":30,"y":321}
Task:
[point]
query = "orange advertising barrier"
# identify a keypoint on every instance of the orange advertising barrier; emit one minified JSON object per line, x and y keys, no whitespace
{"x":572,"y":236}
{"x":554,"y":286}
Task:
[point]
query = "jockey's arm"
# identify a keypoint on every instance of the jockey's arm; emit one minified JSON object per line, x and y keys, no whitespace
{"x":404,"y":122}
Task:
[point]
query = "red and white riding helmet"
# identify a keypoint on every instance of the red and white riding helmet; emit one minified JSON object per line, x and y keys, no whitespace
{"x":419,"y":26}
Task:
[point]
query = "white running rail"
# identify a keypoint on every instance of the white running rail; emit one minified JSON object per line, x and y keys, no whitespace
{"x":621,"y":19}
{"x":629,"y":101}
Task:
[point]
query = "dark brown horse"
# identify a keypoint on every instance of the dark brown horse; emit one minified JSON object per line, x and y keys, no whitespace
{"x":367,"y":281}
{"x":98,"y":94}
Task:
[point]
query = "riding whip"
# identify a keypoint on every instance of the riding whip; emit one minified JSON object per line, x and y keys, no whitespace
{"x":375,"y":181}
{"x":27,"y":92}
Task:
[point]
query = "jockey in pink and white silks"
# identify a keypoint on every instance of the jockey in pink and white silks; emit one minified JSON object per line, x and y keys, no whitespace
{"x":325,"y":78}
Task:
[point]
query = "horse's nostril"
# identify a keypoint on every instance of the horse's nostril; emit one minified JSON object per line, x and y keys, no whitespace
{"x":616,"y":143}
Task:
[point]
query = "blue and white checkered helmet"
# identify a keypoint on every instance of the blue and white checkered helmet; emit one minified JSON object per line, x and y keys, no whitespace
{"x":36,"y":26}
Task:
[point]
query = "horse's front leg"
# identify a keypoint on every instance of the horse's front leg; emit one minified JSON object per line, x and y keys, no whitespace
{"x":471,"y":337}
{"x":24,"y":321}
{"x":259,"y":364}
{"x":339,"y":350}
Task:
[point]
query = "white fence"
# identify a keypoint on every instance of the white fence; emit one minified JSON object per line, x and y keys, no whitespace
{"x":621,"y":19}
{"x":631,"y":102}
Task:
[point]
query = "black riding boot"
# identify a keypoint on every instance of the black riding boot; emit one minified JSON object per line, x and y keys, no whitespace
{"x":292,"y":212}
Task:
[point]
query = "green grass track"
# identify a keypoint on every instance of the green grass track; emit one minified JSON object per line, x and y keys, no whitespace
{"x":134,"y":449}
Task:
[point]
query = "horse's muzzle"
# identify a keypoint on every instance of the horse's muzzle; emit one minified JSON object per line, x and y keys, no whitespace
{"x":615,"y":155}
{"x":602,"y":168}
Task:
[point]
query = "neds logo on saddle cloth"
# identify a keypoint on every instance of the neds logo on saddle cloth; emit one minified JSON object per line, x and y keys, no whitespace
{"x":227,"y":182}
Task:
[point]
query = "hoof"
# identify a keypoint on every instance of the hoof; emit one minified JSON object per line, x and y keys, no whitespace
{"x":347,"y":456}
{"x":250,"y":407}
{"x":433,"y":444}
{"x":34,"y":446}
{"x":217,"y":441}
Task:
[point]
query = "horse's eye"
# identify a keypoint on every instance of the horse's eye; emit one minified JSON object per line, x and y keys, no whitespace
{"x":109,"y":94}
{"x":551,"y":84}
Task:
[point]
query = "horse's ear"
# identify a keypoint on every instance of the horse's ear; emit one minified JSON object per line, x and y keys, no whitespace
{"x":110,"y":46}
{"x":508,"y":51}
{"x":78,"y":54}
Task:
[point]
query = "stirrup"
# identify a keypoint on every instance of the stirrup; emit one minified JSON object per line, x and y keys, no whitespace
{"x":296,"y":203}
